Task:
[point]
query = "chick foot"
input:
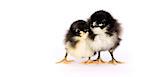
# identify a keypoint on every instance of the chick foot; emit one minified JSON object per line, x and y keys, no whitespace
{"x":114,"y":62}
{"x":88,"y":62}
{"x":65,"y":61}
{"x":98,"y":61}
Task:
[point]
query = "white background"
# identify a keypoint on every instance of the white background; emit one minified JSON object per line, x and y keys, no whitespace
{"x":32,"y":33}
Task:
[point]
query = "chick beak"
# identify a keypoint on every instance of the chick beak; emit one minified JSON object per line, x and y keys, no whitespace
{"x":100,"y":24}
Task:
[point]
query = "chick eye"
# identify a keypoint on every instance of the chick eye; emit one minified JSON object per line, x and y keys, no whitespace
{"x":85,"y":30}
{"x":104,"y":20}
{"x":77,"y":30}
{"x":94,"y":24}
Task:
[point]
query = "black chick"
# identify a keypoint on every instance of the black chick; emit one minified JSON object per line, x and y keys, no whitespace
{"x":104,"y":35}
{"x":75,"y":41}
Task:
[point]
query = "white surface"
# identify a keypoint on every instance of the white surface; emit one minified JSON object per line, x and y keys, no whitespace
{"x":32,"y":33}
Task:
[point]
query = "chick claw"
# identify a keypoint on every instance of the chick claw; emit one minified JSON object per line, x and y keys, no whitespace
{"x":88,"y":62}
{"x":114,"y":62}
{"x":98,"y":61}
{"x":65,"y":61}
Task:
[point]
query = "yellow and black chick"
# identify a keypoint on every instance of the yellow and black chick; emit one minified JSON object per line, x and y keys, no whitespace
{"x":104,"y":35}
{"x":76,"y":41}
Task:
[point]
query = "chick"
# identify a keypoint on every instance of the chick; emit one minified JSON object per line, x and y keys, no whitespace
{"x":104,"y":35}
{"x":76,"y":41}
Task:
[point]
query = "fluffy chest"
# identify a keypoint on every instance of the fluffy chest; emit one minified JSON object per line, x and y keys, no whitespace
{"x":102,"y":41}
{"x":81,"y":49}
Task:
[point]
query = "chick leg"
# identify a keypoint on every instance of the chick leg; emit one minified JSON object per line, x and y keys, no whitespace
{"x":98,"y":60}
{"x":113,"y":61}
{"x":65,"y":61}
{"x":88,"y":61}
